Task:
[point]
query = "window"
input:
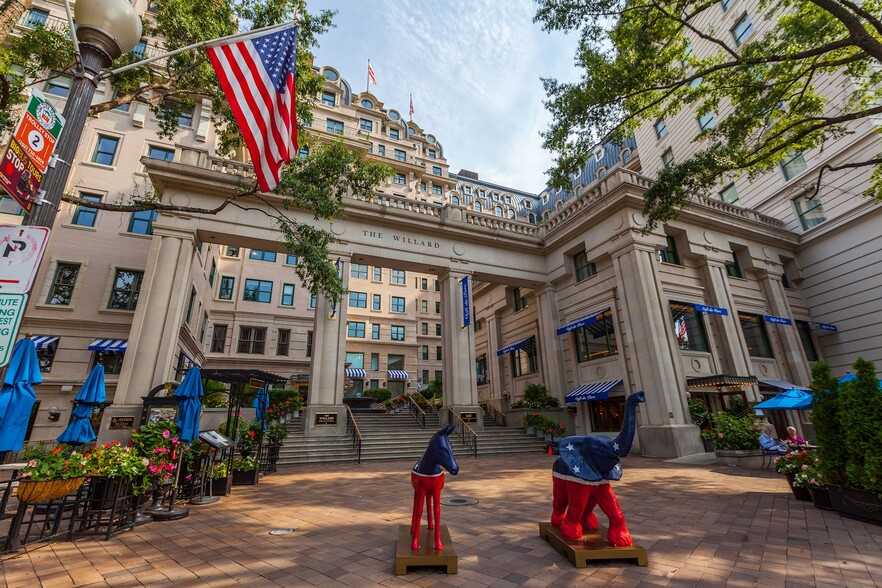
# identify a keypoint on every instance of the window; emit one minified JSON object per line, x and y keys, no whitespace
{"x":520,"y":301}
{"x":424,"y":377}
{"x":359,"y":271}
{"x":523,"y":360}
{"x":203,"y":326}
{"x":437,"y":329}
{"x":58,"y":86}
{"x":601,"y":173}
{"x":105,"y":150}
{"x":584,"y":268}
{"x":793,"y":165}
{"x":400,"y":155}
{"x":398,"y":304}
{"x":399,"y":179}
{"x":262,"y":255}
{"x":479,"y":325}
{"x":432,"y":154}
{"x":668,"y":254}
{"x":257,"y":291}
{"x":660,"y":128}
{"x":312,"y":300}
{"x":329,"y":99}
{"x":498,"y":211}
{"x":810,"y":211}
{"x":218,"y":338}
{"x":399,"y":277}
{"x":290,"y":259}
{"x":376,"y":302}
{"x":438,"y":353}
{"x":481,"y":369}
{"x":436,"y":190}
{"x":231,"y":251}
{"x":211,"y":273}
{"x":689,"y":327}
{"x":478,"y":207}
{"x":695,"y":83}
{"x":366,"y":125}
{"x":190,"y":302}
{"x":141,"y":222}
{"x":303,"y":152}
{"x":733,"y":268}
{"x":755,"y":335}
{"x":381,"y":149}
{"x":375,"y":362}
{"x":424,"y":284}
{"x":251,"y":340}
{"x":162,"y":153}
{"x":597,"y":339}
{"x":437,"y":307}
{"x":785,"y":281}
{"x":140,"y":49}
{"x":83,"y":215}
{"x":425,"y":352}
{"x":111,"y":360}
{"x":184,"y":113}
{"x":729,"y":194}
{"x":424,"y":306}
{"x":436,"y":171}
{"x":375,"y":332}
{"x":424,"y":328}
{"x":706,"y":121}
{"x":607,"y":415}
{"x":422,"y":186}
{"x":308,"y":343}
{"x":358,"y":300}
{"x":724,"y":4}
{"x":395,"y":362}
{"x":393,"y":133}
{"x":126,"y":286}
{"x":742,"y":30}
{"x":287,"y":295}
{"x":63,"y":282}
{"x":378,"y":274}
{"x":805,"y":335}
{"x":355,"y":329}
{"x":397,"y":333}
{"x":283,"y":344}
{"x":668,"y":157}
{"x":335,"y":127}
{"x":225,"y":292}
{"x":355,"y":360}
{"x":35,"y":18}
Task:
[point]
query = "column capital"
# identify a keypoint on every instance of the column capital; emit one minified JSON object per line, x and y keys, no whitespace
{"x":546,"y":288}
{"x":454,"y":273}
{"x":179,"y":233}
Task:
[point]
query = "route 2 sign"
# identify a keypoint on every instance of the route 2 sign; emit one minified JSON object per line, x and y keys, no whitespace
{"x":21,"y":249}
{"x":38,"y":130}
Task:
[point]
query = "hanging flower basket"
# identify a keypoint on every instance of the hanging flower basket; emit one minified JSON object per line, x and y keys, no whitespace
{"x":43,"y":490}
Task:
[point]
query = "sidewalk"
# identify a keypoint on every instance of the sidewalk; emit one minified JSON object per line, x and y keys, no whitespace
{"x":702,"y":526}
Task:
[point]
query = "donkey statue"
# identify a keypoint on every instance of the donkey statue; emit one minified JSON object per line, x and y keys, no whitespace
{"x":427,"y":479}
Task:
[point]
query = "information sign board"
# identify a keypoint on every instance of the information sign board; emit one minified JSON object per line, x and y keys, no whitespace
{"x":11,"y":310}
{"x":21,"y":249}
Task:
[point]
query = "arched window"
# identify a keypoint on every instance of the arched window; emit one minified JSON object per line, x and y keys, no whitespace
{"x":626,"y":156}
{"x":601,"y":173}
{"x":511,"y":213}
{"x":532,"y":218}
{"x":558,"y":205}
{"x":499,"y":211}
{"x":545,"y":215}
{"x":455,"y":200}
{"x":478,"y":207}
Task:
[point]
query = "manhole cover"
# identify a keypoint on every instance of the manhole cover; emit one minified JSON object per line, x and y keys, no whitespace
{"x":462,"y":501}
{"x":281,"y":531}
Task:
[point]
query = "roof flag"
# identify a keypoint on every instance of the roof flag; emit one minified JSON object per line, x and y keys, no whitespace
{"x":372,"y":79}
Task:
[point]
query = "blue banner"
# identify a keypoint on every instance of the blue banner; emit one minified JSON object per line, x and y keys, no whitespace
{"x":514,"y":346}
{"x":584,"y":322}
{"x":704,"y":309}
{"x":826,"y":327}
{"x":466,"y":306}
{"x":777,"y":320}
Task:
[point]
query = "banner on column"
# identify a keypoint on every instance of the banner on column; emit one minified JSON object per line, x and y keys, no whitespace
{"x":466,"y":306}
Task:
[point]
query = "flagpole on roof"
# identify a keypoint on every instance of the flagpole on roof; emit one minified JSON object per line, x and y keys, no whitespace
{"x":219,"y":41}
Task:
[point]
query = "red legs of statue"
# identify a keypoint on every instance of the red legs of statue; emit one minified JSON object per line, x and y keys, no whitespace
{"x":618,"y":534}
{"x":572,"y":511}
{"x":428,"y":489}
{"x":558,"y":501}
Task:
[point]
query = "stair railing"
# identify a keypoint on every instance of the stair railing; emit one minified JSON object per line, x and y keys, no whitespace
{"x":353,"y":431}
{"x":465,"y":432}
{"x":495,"y":414}
{"x":418,"y":413}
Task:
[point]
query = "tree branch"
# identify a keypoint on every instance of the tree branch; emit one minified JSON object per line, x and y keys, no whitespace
{"x":157,"y":205}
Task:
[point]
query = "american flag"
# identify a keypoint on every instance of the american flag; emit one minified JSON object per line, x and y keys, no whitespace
{"x":371,"y":76}
{"x":411,"y":104}
{"x":681,"y":330}
{"x":258,"y":79}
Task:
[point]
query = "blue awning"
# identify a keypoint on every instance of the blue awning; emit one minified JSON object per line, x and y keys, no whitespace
{"x":109,"y":345}
{"x":783,"y":385}
{"x":43,"y":341}
{"x":789,"y":400}
{"x":398,"y":375}
{"x":515,"y":346}
{"x":595,"y":391}
{"x":582,"y":322}
{"x":354,"y":373}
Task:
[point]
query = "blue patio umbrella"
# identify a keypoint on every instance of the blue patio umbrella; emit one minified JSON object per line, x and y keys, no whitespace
{"x":92,"y":392}
{"x":17,"y":394}
{"x":849,"y":377}
{"x":261,"y":404}
{"x":190,"y":393}
{"x":789,"y":400}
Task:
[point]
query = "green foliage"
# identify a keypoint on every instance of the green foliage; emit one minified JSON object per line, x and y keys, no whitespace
{"x":276,"y":432}
{"x":215,"y":395}
{"x":638,"y":65}
{"x":699,"y":412}
{"x":59,"y":463}
{"x":113,"y":460}
{"x":378,"y":394}
{"x":220,"y":470}
{"x":244,"y":464}
{"x":434,"y":388}
{"x":827,"y":425}
{"x":732,"y":432}
{"x":861,"y":414}
{"x":159,"y":443}
{"x":536,"y":396}
{"x":736,"y":406}
{"x":283,"y":401}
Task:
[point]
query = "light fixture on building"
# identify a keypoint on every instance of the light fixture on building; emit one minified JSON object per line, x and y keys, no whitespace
{"x":54,"y":414}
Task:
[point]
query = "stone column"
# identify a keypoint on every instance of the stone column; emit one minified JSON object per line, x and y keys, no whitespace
{"x":156,"y":325}
{"x":550,"y":352}
{"x":665,"y":428}
{"x":458,"y":369}
{"x":494,"y":363}
{"x":794,"y":354}
{"x":326,"y":375}
{"x":727,"y":328}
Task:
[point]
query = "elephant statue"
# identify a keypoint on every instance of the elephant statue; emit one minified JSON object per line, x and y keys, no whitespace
{"x":582,"y":476}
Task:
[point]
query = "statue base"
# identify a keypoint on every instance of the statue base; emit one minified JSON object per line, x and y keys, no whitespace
{"x":426,"y":555}
{"x":592,"y":546}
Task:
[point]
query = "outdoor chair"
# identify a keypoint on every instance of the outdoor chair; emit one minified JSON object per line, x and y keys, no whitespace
{"x":769,"y":456}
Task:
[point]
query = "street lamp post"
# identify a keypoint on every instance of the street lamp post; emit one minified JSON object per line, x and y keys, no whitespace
{"x":105,"y":29}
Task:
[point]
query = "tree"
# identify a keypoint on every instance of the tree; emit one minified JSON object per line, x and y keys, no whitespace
{"x":639,"y":65}
{"x":171,"y":86}
{"x":860,"y":405}
{"x":829,"y":434}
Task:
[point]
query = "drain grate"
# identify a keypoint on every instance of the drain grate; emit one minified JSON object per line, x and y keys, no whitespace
{"x":461,"y":501}
{"x":284,"y":531}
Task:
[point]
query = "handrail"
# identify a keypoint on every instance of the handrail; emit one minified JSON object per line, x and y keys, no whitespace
{"x":496,"y":414}
{"x":418,"y":413}
{"x":466,"y":433}
{"x":352,"y":429}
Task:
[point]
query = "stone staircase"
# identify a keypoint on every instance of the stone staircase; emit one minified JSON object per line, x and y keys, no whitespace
{"x":393,"y":437}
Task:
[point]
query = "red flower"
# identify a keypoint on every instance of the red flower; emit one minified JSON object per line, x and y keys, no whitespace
{"x":251,"y":433}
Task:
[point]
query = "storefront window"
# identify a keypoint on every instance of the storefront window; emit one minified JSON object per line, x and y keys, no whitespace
{"x":607,"y":415}
{"x":689,"y":327}
{"x":596,"y":340}
{"x":755,"y":335}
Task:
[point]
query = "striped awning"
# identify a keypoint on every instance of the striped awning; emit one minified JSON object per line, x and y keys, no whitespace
{"x":109,"y":345}
{"x":397,"y":375}
{"x":782,"y":385}
{"x":41,"y":341}
{"x":355,"y":373}
{"x":515,"y":346}
{"x":595,"y":391}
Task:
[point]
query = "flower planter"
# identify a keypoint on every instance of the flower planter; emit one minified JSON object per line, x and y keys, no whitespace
{"x":540,"y":434}
{"x":248,"y":478}
{"x":43,"y":490}
{"x":798,"y":493}
{"x":745,"y":458}
{"x":548,"y":437}
{"x":221,"y":486}
{"x":856,"y":504}
{"x":708,"y":445}
{"x":821,"y":498}
{"x":531,"y":431}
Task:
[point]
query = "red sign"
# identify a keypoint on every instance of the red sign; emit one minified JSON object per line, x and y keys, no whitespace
{"x":19,"y":176}
{"x":37,"y":142}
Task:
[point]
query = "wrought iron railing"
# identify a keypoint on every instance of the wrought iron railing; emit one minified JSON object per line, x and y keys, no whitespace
{"x":418,"y":413}
{"x":465,"y":432}
{"x":495,"y":414}
{"x":353,"y":431}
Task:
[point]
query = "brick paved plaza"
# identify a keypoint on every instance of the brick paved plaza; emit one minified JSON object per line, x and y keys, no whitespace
{"x":702,"y":526}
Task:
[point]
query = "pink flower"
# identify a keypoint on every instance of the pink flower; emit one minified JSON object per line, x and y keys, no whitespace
{"x":153,"y":469}
{"x":166,"y":434}
{"x":720,"y":435}
{"x":175,"y":440}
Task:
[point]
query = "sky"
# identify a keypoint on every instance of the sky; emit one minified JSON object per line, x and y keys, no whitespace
{"x":473,"y":67}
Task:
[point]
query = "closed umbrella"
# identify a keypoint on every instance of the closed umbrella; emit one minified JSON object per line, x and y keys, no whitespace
{"x":789,"y":400}
{"x":261,"y":404}
{"x":17,"y":394}
{"x":190,"y":395}
{"x":80,"y":428}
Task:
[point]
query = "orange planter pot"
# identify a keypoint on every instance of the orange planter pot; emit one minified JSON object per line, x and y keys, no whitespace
{"x":43,"y":490}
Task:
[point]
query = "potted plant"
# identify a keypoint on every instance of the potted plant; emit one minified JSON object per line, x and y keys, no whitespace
{"x":221,"y":479}
{"x":536,"y":396}
{"x":245,"y":471}
{"x":817,"y":487}
{"x":275,"y":435}
{"x":736,"y":440}
{"x":557,"y":434}
{"x":794,"y":465}
{"x":158,"y":442}
{"x":50,"y":474}
{"x":530,"y":422}
{"x":113,"y":468}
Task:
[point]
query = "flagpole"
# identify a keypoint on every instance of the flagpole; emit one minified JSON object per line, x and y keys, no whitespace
{"x":246,"y":34}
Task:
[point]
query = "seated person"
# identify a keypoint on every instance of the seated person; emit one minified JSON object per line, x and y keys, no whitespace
{"x":793,"y":438}
{"x":769,"y":444}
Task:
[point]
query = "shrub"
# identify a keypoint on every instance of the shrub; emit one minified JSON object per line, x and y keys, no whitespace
{"x":244,"y":464}
{"x":536,"y":396}
{"x":215,"y":395}
{"x":699,"y":412}
{"x":378,"y":394}
{"x":276,"y":432}
{"x":732,"y":432}
{"x":861,"y":413}
{"x":533,"y":420}
{"x":829,"y":436}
